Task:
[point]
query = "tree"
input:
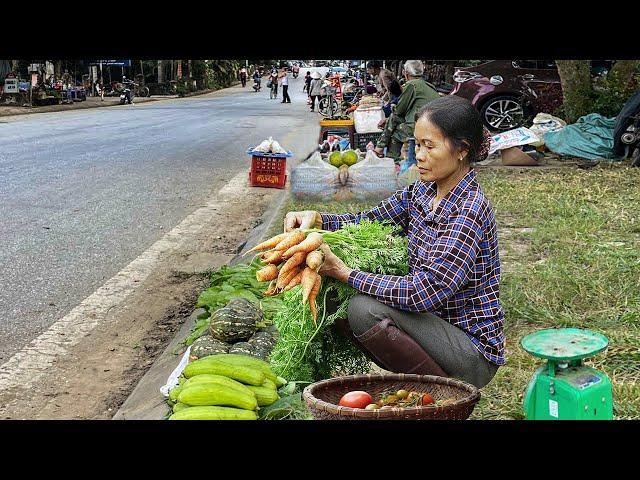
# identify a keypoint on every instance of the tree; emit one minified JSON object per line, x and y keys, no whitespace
{"x":605,"y":95}
{"x":160,"y":72}
{"x":575,"y":78}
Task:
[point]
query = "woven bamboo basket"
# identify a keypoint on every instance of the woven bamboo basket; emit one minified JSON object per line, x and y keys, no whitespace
{"x":322,"y":397}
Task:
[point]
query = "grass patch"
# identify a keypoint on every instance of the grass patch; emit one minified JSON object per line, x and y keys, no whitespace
{"x":570,"y":254}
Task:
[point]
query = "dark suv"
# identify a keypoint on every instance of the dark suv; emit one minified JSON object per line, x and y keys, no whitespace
{"x":495,"y":88}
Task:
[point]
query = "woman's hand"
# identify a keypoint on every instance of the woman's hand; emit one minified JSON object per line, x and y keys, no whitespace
{"x":382,"y":123}
{"x":302,"y":220}
{"x":333,"y":266}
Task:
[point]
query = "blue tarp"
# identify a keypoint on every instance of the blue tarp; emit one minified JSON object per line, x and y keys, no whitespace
{"x":591,"y":137}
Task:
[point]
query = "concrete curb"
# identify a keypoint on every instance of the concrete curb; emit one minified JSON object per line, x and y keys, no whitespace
{"x":145,"y":401}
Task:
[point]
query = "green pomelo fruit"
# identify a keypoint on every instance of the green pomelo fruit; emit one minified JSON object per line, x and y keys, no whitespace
{"x":335,"y":158}
{"x":349,"y":157}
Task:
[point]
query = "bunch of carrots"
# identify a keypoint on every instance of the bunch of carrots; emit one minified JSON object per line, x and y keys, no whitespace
{"x":292,"y":259}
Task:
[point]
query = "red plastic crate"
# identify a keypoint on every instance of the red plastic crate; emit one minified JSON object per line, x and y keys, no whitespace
{"x":268,"y":172}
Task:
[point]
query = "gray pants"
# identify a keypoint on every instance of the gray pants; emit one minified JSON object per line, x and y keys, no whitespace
{"x":447,"y":344}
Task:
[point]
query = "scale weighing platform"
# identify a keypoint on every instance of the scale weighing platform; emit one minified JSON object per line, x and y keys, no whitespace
{"x":564,"y":388}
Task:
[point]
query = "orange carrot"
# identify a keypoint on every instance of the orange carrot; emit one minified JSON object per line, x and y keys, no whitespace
{"x":272,"y":242}
{"x":271,"y":290}
{"x":293,"y":238}
{"x":312,"y":299}
{"x":283,"y":280}
{"x":267,"y":273}
{"x":314,"y":312}
{"x":315,"y":259}
{"x":273,"y":256}
{"x":313,"y":241}
{"x":308,"y":281}
{"x":294,"y":261}
{"x":296,"y":281}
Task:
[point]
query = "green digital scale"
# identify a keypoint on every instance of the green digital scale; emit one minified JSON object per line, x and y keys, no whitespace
{"x":564,"y":389}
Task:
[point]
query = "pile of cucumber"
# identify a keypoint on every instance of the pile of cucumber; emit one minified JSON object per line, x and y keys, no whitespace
{"x":225,"y":386}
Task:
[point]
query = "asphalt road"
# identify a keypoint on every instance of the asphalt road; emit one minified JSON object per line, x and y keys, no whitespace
{"x":84,"y":193}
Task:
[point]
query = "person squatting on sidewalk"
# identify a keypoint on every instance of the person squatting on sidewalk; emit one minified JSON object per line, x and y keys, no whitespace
{"x":284,"y":79}
{"x":444,"y":317}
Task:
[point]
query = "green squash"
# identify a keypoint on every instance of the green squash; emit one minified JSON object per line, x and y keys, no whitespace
{"x":207,"y":345}
{"x":236,"y":321}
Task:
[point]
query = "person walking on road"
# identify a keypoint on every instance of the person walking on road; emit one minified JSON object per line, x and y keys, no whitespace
{"x":315,"y":89}
{"x":273,"y":81}
{"x":243,"y":77}
{"x":284,"y":79}
{"x":307,"y":83}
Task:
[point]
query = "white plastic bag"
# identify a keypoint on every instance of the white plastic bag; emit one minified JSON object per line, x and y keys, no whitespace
{"x":276,"y":148}
{"x":264,"y":147}
{"x":409,"y":176}
{"x":269,"y":146}
{"x":314,"y":178}
{"x":173,"y":378}
{"x":373,"y":178}
{"x":545,"y":123}
{"x":366,"y":120}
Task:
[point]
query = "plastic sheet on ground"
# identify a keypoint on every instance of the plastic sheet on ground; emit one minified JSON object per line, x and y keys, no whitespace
{"x":591,"y":138}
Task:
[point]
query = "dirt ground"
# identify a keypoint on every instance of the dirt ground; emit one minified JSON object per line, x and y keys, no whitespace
{"x":99,"y":373}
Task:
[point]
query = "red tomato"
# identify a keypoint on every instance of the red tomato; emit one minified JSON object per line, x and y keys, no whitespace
{"x":356,"y":399}
{"x":427,"y":399}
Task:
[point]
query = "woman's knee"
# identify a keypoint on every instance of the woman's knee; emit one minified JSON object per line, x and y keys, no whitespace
{"x":360,"y":315}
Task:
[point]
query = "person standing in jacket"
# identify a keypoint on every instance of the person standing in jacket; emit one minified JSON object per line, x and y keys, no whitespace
{"x":398,"y":128}
{"x":315,"y":89}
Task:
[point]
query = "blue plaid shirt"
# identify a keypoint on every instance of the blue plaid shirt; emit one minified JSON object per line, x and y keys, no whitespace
{"x":454,"y":266}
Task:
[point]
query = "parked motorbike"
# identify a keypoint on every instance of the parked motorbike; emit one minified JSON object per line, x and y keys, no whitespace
{"x":126,"y":94}
{"x":626,"y":133}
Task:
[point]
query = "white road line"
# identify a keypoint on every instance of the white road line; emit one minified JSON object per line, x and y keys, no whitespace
{"x":28,"y":365}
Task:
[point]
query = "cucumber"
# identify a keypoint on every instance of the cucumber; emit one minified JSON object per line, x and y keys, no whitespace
{"x":207,"y":394}
{"x":179,"y":406}
{"x":269,"y":384}
{"x":264,"y":395}
{"x":218,"y":379}
{"x":174,"y":392}
{"x":250,"y":376}
{"x":214,"y":413}
{"x":244,"y":361}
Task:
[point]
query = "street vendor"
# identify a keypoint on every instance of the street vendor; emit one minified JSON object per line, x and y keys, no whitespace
{"x":398,"y":128}
{"x":444,"y":317}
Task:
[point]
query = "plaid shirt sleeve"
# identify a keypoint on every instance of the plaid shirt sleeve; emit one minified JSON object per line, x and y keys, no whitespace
{"x":394,"y":209}
{"x":446,"y":265}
